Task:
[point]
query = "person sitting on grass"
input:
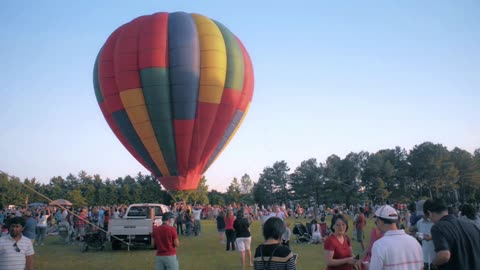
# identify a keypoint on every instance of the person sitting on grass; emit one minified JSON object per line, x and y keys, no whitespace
{"x":272,"y":254}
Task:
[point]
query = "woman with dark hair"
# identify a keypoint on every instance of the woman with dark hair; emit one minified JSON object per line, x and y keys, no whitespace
{"x":271,"y":254}
{"x":188,"y":222}
{"x":229,"y":231}
{"x":338,"y":249}
{"x":244,"y":239}
{"x":316,"y":232}
{"x":220,"y":219}
{"x":41,"y":229}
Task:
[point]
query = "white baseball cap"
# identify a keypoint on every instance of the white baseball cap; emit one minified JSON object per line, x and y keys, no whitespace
{"x":386,"y":212}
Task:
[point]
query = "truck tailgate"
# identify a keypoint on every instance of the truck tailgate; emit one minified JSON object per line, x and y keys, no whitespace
{"x":130,"y":226}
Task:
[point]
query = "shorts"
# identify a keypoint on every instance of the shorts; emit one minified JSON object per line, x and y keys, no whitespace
{"x":359,"y":234}
{"x":243,"y":243}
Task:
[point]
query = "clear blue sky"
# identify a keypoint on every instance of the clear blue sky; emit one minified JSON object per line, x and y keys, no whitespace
{"x":330,"y":77}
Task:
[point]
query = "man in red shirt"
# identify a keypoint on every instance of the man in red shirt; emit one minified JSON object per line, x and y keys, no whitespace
{"x":166,"y":241}
{"x":360,"y":223}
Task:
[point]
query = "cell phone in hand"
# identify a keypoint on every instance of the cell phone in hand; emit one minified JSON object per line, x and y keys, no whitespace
{"x":357,"y":257}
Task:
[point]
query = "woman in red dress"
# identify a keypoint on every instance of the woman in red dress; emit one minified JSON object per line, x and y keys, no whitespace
{"x":338,"y":249}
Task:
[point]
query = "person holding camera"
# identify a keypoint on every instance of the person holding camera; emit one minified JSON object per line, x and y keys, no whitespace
{"x":423,"y":234}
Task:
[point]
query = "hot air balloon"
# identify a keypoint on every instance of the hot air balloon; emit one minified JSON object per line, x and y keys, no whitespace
{"x":174,"y":88}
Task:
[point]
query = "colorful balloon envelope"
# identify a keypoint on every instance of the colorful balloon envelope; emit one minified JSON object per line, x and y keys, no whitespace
{"x":174,"y":88}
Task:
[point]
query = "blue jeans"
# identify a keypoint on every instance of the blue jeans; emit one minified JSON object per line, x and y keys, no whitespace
{"x":166,"y":263}
{"x":40,"y":235}
{"x":189,"y":228}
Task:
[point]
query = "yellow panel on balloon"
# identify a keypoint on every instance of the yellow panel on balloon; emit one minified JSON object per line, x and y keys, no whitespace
{"x":151,"y":144}
{"x":213,"y":43}
{"x":213,"y":60}
{"x":138,"y":114}
{"x":144,"y":130}
{"x":132,"y":97}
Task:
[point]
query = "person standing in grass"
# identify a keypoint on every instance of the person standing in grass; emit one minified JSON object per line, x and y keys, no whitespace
{"x":220,"y":218}
{"x":360,"y":223}
{"x":229,"y":231}
{"x":42,"y":227}
{"x":338,"y":253}
{"x":244,"y":239}
{"x":30,"y":226}
{"x":197,"y":225}
{"x":166,"y":241}
{"x":396,"y":250}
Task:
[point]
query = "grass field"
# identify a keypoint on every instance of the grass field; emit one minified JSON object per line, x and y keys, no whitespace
{"x":196,"y":253}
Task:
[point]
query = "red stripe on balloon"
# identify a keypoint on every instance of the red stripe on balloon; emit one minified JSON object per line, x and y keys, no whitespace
{"x":106,"y":75}
{"x":226,"y":111}
{"x":153,"y":41}
{"x":204,"y":121}
{"x":114,"y":103}
{"x":183,"y":139}
{"x":126,"y":67}
{"x":180,"y":182}
{"x":248,"y":82}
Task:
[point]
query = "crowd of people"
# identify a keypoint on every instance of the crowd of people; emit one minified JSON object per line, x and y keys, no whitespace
{"x":425,"y":235}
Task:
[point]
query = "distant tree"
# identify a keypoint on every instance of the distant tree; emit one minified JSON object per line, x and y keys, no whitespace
{"x":433,"y":170}
{"x":280,"y":180}
{"x":350,"y":176}
{"x":233,"y":191}
{"x":201,"y":194}
{"x":76,"y":198}
{"x":263,"y":189}
{"x":468,"y":173}
{"x":57,"y":188}
{"x":246,"y":184}
{"x":216,"y":198}
{"x":306,"y":182}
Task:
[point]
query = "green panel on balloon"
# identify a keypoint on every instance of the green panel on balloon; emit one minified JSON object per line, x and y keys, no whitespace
{"x":156,"y":90}
{"x":96,"y":83}
{"x":235,"y":65}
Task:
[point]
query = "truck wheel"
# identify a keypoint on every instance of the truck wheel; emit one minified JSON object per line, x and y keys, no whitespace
{"x":116,"y":245}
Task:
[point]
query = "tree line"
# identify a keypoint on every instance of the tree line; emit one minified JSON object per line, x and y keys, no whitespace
{"x":428,"y":170}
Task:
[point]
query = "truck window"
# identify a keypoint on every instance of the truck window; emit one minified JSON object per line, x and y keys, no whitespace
{"x":158,"y":211}
{"x":137,"y":211}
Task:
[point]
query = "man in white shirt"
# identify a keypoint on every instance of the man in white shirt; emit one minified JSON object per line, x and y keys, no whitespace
{"x":396,"y":250}
{"x":278,"y":212}
{"x":197,"y":227}
{"x":424,"y":234}
{"x":16,"y":250}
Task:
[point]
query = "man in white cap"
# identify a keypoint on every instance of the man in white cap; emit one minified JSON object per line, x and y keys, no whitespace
{"x":396,"y":249}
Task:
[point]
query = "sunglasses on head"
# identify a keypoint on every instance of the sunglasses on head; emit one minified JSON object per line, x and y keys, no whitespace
{"x":17,"y":249}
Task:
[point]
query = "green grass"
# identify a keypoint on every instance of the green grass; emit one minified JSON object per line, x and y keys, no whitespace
{"x":196,"y":253}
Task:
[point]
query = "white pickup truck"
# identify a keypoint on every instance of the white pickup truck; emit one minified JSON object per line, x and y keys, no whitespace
{"x":137,"y":224}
